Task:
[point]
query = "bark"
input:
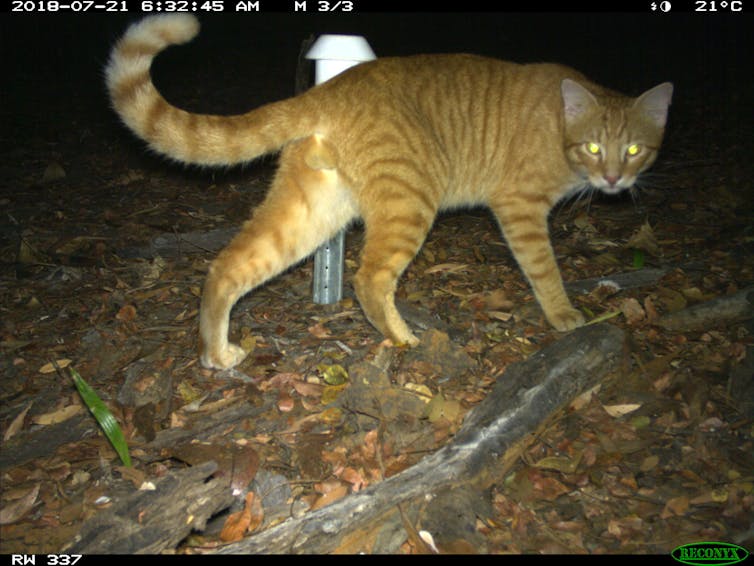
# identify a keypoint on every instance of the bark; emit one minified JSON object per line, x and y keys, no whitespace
{"x":732,"y":308}
{"x":626,"y":280}
{"x":150,"y":521}
{"x":176,"y":245}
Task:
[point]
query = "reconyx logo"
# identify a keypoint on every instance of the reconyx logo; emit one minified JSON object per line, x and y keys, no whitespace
{"x":709,"y":553}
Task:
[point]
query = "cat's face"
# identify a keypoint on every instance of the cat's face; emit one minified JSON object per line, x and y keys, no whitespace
{"x":610,"y":141}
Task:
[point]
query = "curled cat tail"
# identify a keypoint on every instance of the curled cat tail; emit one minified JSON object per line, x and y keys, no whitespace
{"x":192,"y":138}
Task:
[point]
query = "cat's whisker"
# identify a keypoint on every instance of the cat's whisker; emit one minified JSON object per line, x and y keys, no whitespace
{"x":633,"y":192}
{"x":578,"y":199}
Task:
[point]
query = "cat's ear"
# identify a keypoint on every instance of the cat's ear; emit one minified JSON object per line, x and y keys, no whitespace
{"x":655,"y":102}
{"x":576,"y":99}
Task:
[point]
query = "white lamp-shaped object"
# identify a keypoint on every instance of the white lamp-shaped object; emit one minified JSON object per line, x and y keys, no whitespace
{"x":333,"y":54}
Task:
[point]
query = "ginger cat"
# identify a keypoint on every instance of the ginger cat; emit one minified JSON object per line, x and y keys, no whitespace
{"x":392,"y":142}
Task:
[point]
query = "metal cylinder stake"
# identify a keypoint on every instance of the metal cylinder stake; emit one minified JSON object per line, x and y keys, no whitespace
{"x":333,"y":54}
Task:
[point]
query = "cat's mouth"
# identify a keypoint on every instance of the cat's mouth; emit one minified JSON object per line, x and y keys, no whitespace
{"x":612,"y":185}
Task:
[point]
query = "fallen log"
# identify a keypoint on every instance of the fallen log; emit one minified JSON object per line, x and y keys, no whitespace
{"x":42,"y":442}
{"x":169,"y":245}
{"x":732,"y":308}
{"x":150,"y":521}
{"x":522,"y":400}
{"x":619,"y":281}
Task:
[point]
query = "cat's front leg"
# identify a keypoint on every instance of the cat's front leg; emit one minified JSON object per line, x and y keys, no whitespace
{"x":395,"y":230}
{"x":565,"y":318}
{"x":525,"y":229}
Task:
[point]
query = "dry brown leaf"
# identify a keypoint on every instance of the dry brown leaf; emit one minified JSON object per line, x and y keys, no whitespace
{"x":285,"y":402}
{"x":671,"y":299}
{"x":712,"y":424}
{"x":584,"y":222}
{"x":625,"y":526}
{"x":585,"y":398}
{"x":354,"y":477}
{"x":237,"y":524}
{"x":712,"y":496}
{"x":245,"y":465}
{"x":622,"y":409}
{"x":17,"y":423}
{"x":281,"y":381}
{"x":195,"y":453}
{"x":418,"y":542}
{"x":333,"y":494}
{"x":371,"y":444}
{"x":446,"y":268}
{"x":58,"y":416}
{"x":632,"y":310}
{"x":298,"y":424}
{"x":29,"y":254}
{"x":331,"y":415}
{"x":649,"y":308}
{"x":548,"y":488}
{"x":500,"y":315}
{"x":644,"y":239}
{"x":336,"y":458}
{"x":12,"y":345}
{"x":694,"y":294}
{"x":675,"y":506}
{"x":307,"y":389}
{"x":53,"y":172}
{"x":257,"y":513}
{"x":560,"y":463}
{"x":319,"y":330}
{"x":424,"y":392}
{"x":649,"y":463}
{"x":497,"y":300}
{"x":441,"y":408}
{"x":127,"y":313}
{"x":50,"y":368}
{"x":132,"y":474}
{"x":248,"y":343}
{"x":14,"y":511}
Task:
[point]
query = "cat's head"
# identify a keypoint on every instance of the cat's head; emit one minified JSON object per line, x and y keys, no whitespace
{"x":610,"y":140}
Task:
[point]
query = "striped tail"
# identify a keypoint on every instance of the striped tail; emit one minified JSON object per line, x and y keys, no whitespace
{"x":192,"y":138}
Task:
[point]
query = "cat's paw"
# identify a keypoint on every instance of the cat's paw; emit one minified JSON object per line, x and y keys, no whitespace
{"x":566,"y":319}
{"x":409,"y":340}
{"x":230,"y":357}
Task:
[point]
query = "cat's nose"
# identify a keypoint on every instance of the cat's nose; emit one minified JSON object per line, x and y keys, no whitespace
{"x":612,"y":179}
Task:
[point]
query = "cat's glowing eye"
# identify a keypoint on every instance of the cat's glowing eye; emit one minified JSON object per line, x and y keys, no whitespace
{"x":633,"y":149}
{"x":593,"y":148}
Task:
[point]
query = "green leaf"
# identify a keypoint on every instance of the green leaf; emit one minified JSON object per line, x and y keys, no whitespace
{"x":638,"y":259}
{"x":603,"y":317}
{"x":104,"y":417}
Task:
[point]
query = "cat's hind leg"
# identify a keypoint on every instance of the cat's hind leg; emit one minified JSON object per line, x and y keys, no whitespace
{"x":304,"y":208}
{"x":395,"y":228}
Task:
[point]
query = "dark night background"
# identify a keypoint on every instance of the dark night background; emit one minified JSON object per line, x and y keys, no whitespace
{"x":52,"y":62}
